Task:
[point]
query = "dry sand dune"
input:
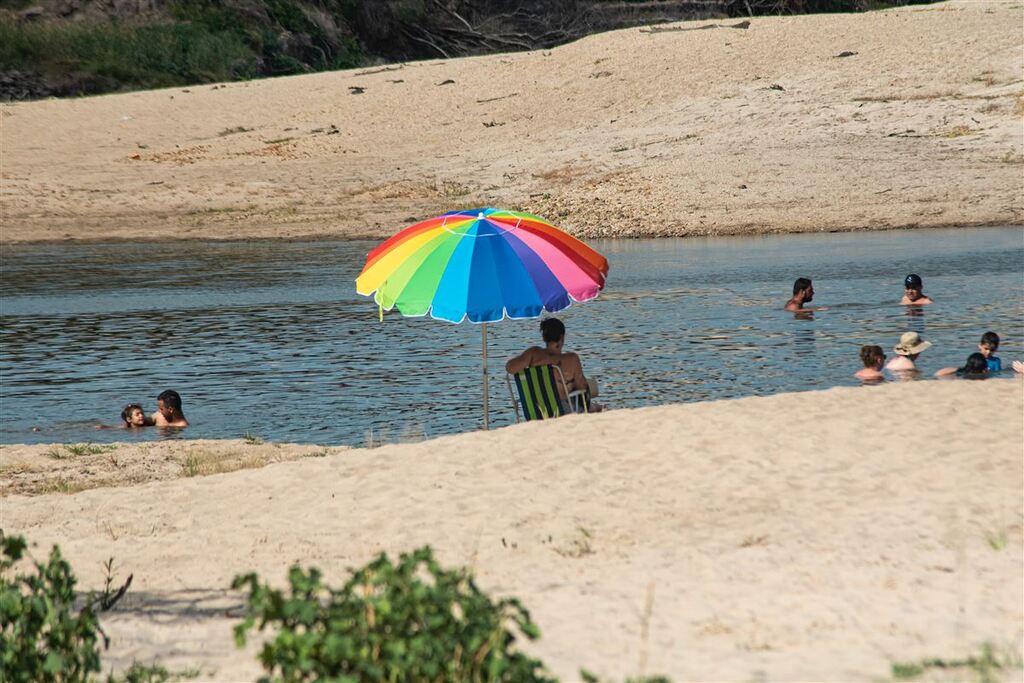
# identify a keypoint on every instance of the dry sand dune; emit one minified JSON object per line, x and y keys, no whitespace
{"x":816,"y":536}
{"x":682,"y":132}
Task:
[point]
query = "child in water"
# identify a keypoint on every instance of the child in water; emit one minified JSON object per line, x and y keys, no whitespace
{"x":873,"y":358}
{"x":132,"y":417}
{"x":988,"y":347}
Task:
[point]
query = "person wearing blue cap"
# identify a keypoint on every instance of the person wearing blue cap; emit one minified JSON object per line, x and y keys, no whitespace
{"x":914,"y":294}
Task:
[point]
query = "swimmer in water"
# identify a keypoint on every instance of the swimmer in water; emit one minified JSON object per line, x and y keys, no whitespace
{"x":873,"y":358}
{"x":910,"y":347}
{"x":168,"y":412}
{"x":132,"y":417}
{"x":976,"y":367}
{"x":803,"y":292}
{"x":913,"y":294}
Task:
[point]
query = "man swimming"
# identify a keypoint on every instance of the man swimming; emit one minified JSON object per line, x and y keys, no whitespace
{"x":913,"y":294}
{"x":803,"y":292}
{"x":168,"y":412}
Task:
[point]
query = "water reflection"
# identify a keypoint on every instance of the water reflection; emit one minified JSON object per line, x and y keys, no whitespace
{"x":270,"y":339}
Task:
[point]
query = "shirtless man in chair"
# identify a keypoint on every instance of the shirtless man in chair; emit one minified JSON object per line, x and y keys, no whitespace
{"x":553,"y":332}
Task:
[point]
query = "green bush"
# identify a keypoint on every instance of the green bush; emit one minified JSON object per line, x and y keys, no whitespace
{"x":149,"y":56}
{"x":42,"y":639}
{"x":410,"y":621}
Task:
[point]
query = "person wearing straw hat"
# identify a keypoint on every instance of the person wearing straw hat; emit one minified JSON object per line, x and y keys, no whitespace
{"x":910,"y":347}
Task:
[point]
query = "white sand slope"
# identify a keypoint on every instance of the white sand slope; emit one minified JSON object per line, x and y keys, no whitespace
{"x":689,"y":132}
{"x":815,"y":536}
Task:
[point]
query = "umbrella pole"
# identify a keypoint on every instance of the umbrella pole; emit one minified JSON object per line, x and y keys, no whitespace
{"x":487,"y":417}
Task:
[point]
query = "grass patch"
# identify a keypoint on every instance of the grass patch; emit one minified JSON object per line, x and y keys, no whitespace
{"x":579,"y":546}
{"x":201,"y":463}
{"x":985,"y":666}
{"x":232,"y":131}
{"x":997,"y":540}
{"x":194,"y":41}
{"x":89,"y":449}
{"x":154,"y":673}
{"x":113,"y":54}
{"x":252,"y":439}
{"x":76,"y":450}
{"x":191,"y":466}
{"x":450,"y":189}
{"x":62,"y":485}
{"x":958,"y":132}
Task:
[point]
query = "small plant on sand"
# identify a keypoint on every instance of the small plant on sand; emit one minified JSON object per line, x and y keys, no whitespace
{"x":957,"y":132}
{"x":42,"y":637}
{"x":153,"y":673}
{"x":80,"y":449}
{"x":997,"y":540}
{"x":191,"y":466}
{"x":406,"y":621}
{"x":588,"y":677}
{"x":252,"y":439}
{"x":984,"y":666}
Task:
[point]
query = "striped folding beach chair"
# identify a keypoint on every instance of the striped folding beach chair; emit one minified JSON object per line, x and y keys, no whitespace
{"x":537,"y":391}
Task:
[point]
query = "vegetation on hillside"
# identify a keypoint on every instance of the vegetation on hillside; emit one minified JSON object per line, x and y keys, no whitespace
{"x":77,"y":47}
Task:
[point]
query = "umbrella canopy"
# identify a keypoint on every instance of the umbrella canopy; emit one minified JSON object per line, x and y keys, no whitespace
{"x":482,"y":265}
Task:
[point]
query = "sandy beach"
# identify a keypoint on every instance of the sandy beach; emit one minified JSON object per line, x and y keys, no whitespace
{"x":811,"y":536}
{"x":909,"y":117}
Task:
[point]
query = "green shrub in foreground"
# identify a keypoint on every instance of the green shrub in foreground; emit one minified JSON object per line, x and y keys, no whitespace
{"x":42,"y":639}
{"x":410,"y":621}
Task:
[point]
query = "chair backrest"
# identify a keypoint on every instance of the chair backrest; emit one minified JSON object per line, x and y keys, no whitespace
{"x":538,"y":392}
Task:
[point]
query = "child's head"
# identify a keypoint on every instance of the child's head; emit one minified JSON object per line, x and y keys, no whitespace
{"x":989,"y":344}
{"x":872,"y":356}
{"x":976,"y":366}
{"x":133,"y":415}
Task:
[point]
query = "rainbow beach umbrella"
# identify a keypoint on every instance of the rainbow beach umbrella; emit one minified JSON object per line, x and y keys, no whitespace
{"x":481,"y":265}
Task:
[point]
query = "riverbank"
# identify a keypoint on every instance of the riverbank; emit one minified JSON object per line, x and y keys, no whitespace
{"x":808,"y":536}
{"x":898,"y":118}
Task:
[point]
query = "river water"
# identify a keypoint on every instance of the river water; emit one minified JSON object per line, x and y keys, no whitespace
{"x":269,"y":339}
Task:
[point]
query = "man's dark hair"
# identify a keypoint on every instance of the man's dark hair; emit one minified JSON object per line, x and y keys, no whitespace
{"x":801,"y":284}
{"x":991,"y":340}
{"x":975,"y":367}
{"x":552,"y":329}
{"x":126,"y":414}
{"x":170,"y":398}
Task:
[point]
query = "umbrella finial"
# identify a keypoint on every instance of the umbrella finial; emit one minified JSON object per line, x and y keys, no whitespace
{"x":480,"y":216}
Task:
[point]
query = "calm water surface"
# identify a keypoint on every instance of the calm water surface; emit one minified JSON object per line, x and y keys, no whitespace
{"x":270,"y":339}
